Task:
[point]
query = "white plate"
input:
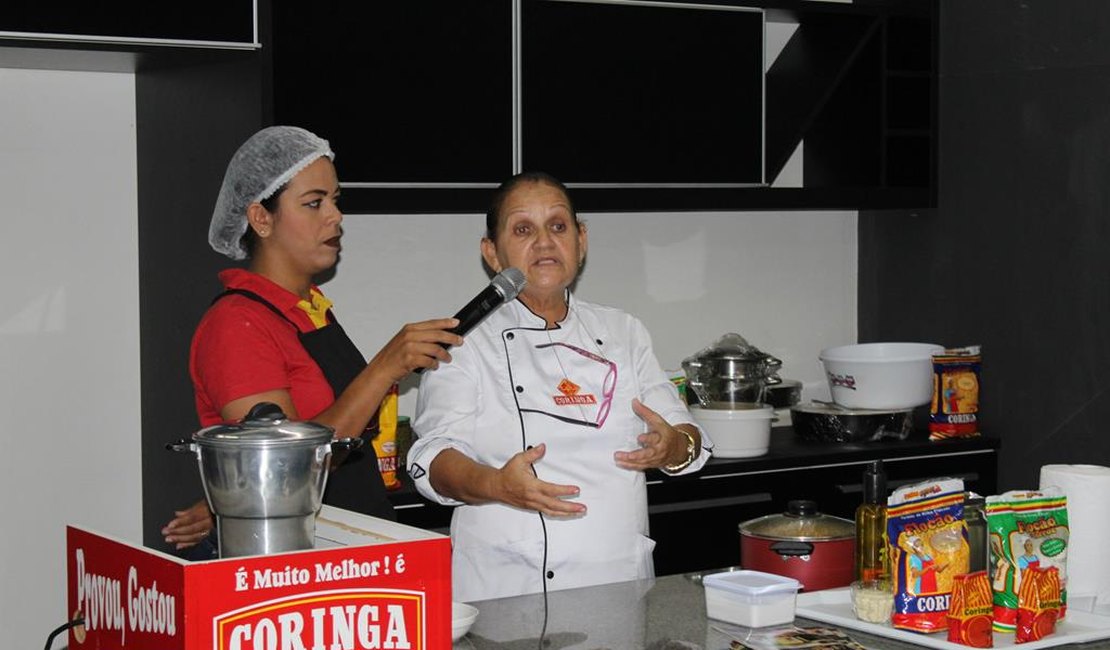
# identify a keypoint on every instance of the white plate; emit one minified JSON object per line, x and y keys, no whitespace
{"x":835,"y":606}
{"x":462,"y":617}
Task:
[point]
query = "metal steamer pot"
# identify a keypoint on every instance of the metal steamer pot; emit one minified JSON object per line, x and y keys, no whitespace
{"x":264,"y":479}
{"x":815,"y":549}
{"x":730,"y":372}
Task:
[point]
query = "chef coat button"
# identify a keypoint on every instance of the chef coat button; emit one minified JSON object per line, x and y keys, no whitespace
{"x":520,"y":389}
{"x":598,"y":341}
{"x":510,"y":336}
{"x":550,"y":574}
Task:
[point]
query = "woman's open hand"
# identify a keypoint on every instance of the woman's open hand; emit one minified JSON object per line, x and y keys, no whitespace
{"x":518,"y":486}
{"x":661,"y":444}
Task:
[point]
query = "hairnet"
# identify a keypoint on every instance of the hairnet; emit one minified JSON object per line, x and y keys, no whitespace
{"x":261,"y":166}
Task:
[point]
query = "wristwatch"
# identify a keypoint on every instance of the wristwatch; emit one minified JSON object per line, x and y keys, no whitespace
{"x":691,"y":454}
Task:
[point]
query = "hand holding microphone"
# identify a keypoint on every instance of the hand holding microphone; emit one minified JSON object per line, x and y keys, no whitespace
{"x":504,"y":287}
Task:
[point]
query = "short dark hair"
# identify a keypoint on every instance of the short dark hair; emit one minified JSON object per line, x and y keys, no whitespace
{"x":493,"y":214}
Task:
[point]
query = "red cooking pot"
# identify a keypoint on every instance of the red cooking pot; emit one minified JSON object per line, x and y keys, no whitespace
{"x":816,"y":550}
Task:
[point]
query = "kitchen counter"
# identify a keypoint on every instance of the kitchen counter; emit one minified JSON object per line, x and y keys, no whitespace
{"x":667,"y":613}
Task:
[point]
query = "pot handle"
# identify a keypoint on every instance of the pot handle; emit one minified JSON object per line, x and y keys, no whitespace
{"x":346,"y":444}
{"x":793,"y":549}
{"x":337,"y":445}
{"x":182,"y":445}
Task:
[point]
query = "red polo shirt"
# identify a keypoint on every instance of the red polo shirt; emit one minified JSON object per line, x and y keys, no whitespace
{"x":241,"y":348}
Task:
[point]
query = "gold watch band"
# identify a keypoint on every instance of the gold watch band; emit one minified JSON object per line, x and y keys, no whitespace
{"x":691,"y":454}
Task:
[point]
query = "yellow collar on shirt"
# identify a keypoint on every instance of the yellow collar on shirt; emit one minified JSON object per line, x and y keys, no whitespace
{"x":317,"y":308}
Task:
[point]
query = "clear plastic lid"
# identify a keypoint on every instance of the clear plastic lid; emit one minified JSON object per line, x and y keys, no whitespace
{"x":802,"y":523}
{"x":751,"y":583}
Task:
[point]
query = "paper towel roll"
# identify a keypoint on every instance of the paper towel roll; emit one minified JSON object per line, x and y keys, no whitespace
{"x":1088,"y":490}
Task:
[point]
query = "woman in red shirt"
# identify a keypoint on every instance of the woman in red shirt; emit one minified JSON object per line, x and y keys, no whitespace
{"x":271,"y":335}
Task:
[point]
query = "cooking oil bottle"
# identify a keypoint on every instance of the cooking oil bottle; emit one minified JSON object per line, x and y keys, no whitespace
{"x":872,"y":557}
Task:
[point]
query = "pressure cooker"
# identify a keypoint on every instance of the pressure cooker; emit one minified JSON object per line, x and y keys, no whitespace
{"x":264,"y":479}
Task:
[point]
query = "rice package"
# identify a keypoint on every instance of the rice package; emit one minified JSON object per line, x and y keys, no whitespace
{"x":955,"y":409}
{"x":929,"y":548}
{"x":1027,"y":529}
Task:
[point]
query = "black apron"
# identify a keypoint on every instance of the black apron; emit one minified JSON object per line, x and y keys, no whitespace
{"x":357,"y":483}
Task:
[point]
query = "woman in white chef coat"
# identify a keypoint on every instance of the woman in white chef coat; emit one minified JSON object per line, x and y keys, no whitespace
{"x":544,"y":422}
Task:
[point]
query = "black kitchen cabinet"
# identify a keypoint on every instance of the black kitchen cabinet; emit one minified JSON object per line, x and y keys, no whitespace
{"x":675,"y":101}
{"x":415,"y":96}
{"x":638,"y":106}
{"x":216,"y":23}
{"x":695,"y":519}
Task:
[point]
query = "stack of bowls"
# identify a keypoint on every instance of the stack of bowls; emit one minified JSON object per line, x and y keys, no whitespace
{"x":874,"y":389}
{"x":726,"y":387}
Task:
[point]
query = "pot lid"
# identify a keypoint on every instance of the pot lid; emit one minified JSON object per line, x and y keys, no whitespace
{"x":264,"y":426}
{"x":802,"y":523}
{"x":731,"y":347}
{"x":731,"y":358}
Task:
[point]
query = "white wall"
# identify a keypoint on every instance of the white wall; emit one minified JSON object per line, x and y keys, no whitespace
{"x":69,"y":342}
{"x":69,"y":335}
{"x":785,"y":281}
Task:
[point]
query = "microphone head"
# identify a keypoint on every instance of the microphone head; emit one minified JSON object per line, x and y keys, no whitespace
{"x":509,"y":282}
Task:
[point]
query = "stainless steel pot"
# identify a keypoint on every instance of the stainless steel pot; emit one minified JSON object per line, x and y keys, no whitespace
{"x":264,"y":479}
{"x":730,"y":371}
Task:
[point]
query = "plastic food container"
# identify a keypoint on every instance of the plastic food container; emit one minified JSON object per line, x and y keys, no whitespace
{"x":890,"y":376}
{"x":872,"y":600}
{"x":736,"y":432}
{"x":750,"y":598}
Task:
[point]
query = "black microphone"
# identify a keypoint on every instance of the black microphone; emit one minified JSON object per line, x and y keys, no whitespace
{"x":503,"y":288}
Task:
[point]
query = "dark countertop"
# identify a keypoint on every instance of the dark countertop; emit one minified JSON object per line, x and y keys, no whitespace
{"x":667,"y":613}
{"x":788,"y":451}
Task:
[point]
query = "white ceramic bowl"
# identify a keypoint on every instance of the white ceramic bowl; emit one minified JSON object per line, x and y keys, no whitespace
{"x":462,"y":617}
{"x":888,"y":376}
{"x":736,"y":433}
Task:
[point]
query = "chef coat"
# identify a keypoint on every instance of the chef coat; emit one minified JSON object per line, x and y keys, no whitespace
{"x":514,"y":384}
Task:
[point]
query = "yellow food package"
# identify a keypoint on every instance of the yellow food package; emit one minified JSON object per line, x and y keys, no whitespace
{"x":955,"y":409}
{"x":385,"y":443}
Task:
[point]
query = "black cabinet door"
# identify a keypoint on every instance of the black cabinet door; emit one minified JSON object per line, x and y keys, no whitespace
{"x":410,"y":93}
{"x":220,"y":21}
{"x":642,"y":94}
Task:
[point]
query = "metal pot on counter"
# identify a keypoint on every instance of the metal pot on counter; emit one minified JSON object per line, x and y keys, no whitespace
{"x":731,"y":371}
{"x":816,"y":550}
{"x":264,"y":479}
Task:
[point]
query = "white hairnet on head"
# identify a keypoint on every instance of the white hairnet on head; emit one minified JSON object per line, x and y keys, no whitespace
{"x":265,"y":162}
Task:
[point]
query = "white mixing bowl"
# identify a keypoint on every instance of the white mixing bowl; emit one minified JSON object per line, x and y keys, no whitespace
{"x":736,"y":432}
{"x":462,"y":617}
{"x":889,"y":376}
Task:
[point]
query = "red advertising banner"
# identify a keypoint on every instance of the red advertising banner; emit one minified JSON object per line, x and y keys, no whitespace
{"x":378,"y":584}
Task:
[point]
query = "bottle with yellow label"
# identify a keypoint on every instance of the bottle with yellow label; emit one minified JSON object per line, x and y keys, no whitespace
{"x":385,"y":443}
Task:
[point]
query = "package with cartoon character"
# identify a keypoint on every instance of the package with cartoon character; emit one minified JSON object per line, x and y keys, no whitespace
{"x":1027,"y":529}
{"x":928,"y":549}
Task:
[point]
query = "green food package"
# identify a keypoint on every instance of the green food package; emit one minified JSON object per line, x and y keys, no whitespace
{"x":1027,"y":528}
